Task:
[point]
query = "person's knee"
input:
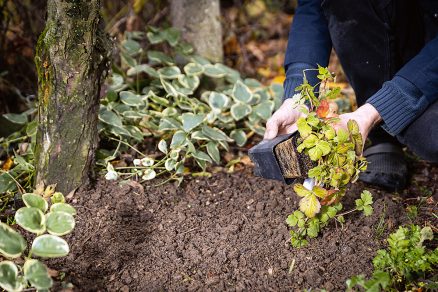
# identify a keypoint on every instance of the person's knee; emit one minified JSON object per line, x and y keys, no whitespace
{"x":428,"y":150}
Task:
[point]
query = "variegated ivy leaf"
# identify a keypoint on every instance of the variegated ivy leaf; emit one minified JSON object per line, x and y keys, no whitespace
{"x":169,"y":88}
{"x":201,"y":156}
{"x":218,"y":100}
{"x":9,"y":279}
{"x":213,"y":151}
{"x":143,"y":68}
{"x":240,"y":110}
{"x":214,"y":71}
{"x":189,"y":82}
{"x":160,"y":57}
{"x":264,"y":109}
{"x":170,"y":164}
{"x":162,"y":146}
{"x":12,"y":244}
{"x":198,"y":135}
{"x":131,"y":99}
{"x":37,"y":274}
{"x":178,"y":139}
{"x":193,"y":69}
{"x":241,"y":92}
{"x":50,"y":246}
{"x":191,"y":121}
{"x":157,"y":99}
{"x":171,"y":72}
{"x":310,"y":205}
{"x":239,"y":137}
{"x":35,"y":201}
{"x":215,"y":134}
{"x":168,"y":123}
{"x":252,"y":83}
{"x":31,"y":219}
{"x":132,"y":47}
{"x":149,"y":174}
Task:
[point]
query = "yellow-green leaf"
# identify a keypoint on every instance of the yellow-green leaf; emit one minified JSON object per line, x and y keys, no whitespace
{"x":301,"y":191}
{"x":310,"y":205}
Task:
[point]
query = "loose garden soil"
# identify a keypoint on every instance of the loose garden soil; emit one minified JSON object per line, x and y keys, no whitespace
{"x":226,"y":232}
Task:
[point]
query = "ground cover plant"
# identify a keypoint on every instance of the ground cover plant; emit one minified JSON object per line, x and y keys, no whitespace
{"x":338,"y":158}
{"x":406,"y":265}
{"x":193,"y":109}
{"x":48,"y":225}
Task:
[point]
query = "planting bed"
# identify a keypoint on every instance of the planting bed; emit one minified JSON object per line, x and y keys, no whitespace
{"x":226,"y":232}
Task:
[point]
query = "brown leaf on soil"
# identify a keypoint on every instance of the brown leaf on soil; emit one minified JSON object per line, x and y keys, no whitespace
{"x":8,"y":164}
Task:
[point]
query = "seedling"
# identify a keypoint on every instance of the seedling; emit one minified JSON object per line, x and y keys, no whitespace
{"x":338,"y":161}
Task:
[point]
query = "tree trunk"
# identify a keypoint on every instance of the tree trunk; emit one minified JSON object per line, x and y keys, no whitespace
{"x":199,"y":21}
{"x":71,"y":59}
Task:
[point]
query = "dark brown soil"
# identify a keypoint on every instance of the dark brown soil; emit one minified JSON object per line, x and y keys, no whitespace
{"x":226,"y":232}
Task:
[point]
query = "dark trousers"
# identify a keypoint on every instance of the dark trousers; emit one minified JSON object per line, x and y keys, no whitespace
{"x":374,"y":39}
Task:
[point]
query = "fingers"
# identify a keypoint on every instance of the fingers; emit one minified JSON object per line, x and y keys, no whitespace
{"x":271,"y":128}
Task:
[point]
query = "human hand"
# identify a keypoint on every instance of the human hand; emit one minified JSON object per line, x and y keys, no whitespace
{"x":283,"y":120}
{"x":366,"y":117}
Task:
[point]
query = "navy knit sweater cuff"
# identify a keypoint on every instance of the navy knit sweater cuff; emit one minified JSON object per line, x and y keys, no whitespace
{"x":294,"y":78}
{"x":399,"y":103}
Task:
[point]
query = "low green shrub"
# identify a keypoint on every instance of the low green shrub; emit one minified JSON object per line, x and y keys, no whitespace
{"x":48,"y":224}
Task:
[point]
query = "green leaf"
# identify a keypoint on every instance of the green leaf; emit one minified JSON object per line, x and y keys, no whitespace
{"x":168,"y":123}
{"x":171,"y":72}
{"x":9,"y":279}
{"x":12,"y":244}
{"x":59,"y":223}
{"x":171,"y":35}
{"x":170,"y":164}
{"x":162,"y":146}
{"x":367,"y":210}
{"x":160,"y":57}
{"x":263,"y":109}
{"x":131,"y":99}
{"x":31,"y":128}
{"x":36,"y":201}
{"x":310,"y":205}
{"x":143,"y":68}
{"x":169,"y":88}
{"x":63,"y":207}
{"x":110,"y":118}
{"x":241,"y":92}
{"x":193,"y":69}
{"x":292,"y":220}
{"x":301,"y":191}
{"x":379,"y":281}
{"x":342,"y":136}
{"x":303,"y":127}
{"x":149,"y":174}
{"x":239,"y":137}
{"x":178,"y":139}
{"x":57,"y":198}
{"x":312,"y":120}
{"x":320,"y":192}
{"x":7,"y":183}
{"x":353,"y":127}
{"x":240,"y":110}
{"x":37,"y":274}
{"x":214,"y":71}
{"x":366,"y":197}
{"x":189,"y":82}
{"x":132,"y":47}
{"x":218,"y":100}
{"x":191,"y":121}
{"x":215,"y":134}
{"x":315,"y":153}
{"x":200,"y":155}
{"x":19,"y":119}
{"x":213,"y":151}
{"x":31,"y":219}
{"x":49,"y":246}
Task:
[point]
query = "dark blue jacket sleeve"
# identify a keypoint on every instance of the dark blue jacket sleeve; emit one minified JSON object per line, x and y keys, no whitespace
{"x":405,"y":97}
{"x":309,"y":43}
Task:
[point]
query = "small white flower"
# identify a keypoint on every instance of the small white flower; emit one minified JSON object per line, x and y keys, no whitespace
{"x":147,"y":161}
{"x":137,"y":162}
{"x":111,"y":175}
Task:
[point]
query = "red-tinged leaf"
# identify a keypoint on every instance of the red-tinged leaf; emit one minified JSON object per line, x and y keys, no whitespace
{"x":323,"y":109}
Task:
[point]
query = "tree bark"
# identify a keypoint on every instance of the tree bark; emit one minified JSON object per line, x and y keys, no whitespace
{"x":199,"y":21}
{"x":72,"y":57}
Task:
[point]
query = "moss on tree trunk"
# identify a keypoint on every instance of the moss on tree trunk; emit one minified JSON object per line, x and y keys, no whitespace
{"x":71,"y":59}
{"x":199,"y":21}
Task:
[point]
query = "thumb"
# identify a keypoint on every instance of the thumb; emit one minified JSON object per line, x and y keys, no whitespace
{"x":271,"y":129}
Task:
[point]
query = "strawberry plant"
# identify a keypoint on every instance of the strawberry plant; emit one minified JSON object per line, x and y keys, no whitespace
{"x":194,"y":109}
{"x":338,"y":161}
{"x":48,"y":224}
{"x":406,"y":265}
